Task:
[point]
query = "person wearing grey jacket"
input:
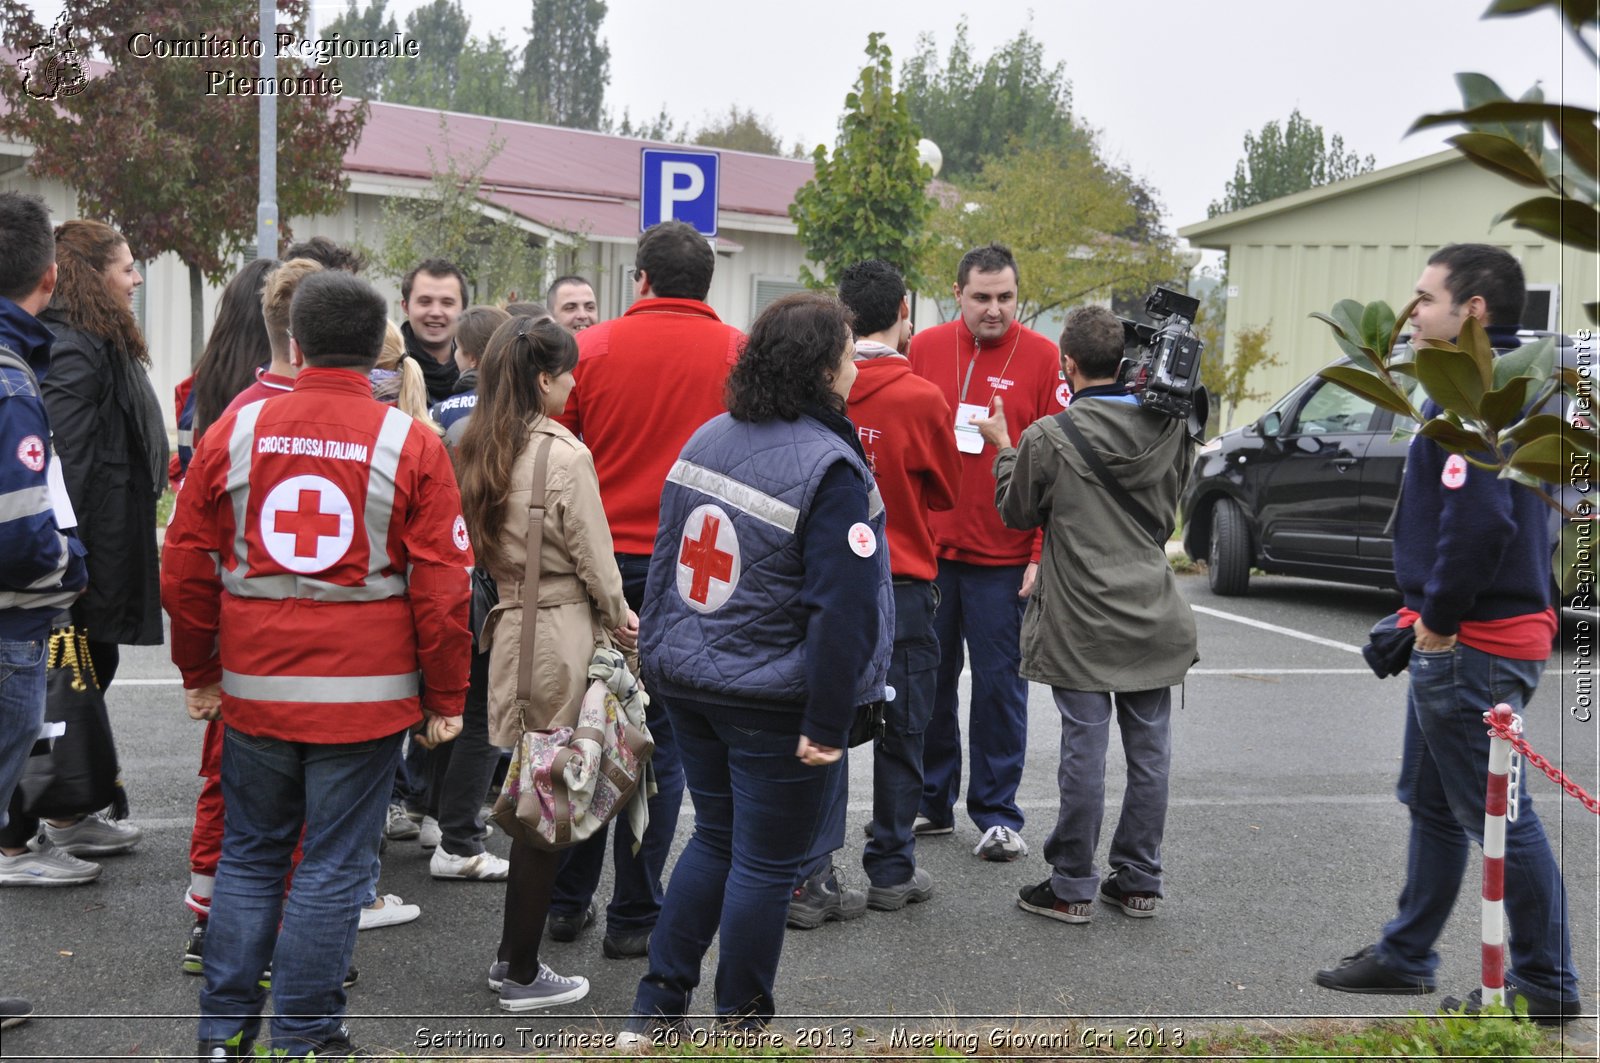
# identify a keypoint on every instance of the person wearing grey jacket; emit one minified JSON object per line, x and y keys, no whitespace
{"x":1105,"y":626}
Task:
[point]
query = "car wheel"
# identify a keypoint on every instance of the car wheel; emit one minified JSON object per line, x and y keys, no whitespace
{"x":1228,"y":562}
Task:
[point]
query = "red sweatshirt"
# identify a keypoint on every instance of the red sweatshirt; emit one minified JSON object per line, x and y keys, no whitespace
{"x":904,"y":425}
{"x":1023,"y":368}
{"x":645,"y":381}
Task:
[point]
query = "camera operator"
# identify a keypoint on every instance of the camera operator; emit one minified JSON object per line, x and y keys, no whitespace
{"x":1105,"y":626}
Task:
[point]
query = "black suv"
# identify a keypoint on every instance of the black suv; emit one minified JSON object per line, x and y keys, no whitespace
{"x":1307,"y":489}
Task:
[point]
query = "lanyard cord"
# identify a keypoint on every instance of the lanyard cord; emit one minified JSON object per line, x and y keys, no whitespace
{"x":977,"y":350}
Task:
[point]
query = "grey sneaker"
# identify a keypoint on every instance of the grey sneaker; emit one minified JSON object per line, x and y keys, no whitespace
{"x":400,"y":825}
{"x":46,"y":866}
{"x":822,"y":898}
{"x":14,"y":1011}
{"x":914,"y":890}
{"x":1000,"y":843}
{"x":96,"y":835}
{"x":497,"y":974}
{"x":546,"y":991}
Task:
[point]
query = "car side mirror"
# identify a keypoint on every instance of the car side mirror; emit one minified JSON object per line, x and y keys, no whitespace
{"x":1270,"y":424}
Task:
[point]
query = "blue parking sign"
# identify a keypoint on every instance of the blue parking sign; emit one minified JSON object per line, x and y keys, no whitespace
{"x":678,"y":185}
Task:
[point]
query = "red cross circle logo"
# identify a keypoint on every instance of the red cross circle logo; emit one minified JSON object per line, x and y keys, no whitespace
{"x":307,"y":524}
{"x":31,"y":453}
{"x":708,"y":559}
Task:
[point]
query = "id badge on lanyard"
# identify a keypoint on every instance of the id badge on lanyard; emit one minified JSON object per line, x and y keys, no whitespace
{"x":968,"y":439}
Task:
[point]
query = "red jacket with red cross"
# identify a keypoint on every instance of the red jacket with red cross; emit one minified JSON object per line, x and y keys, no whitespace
{"x":316,"y":565}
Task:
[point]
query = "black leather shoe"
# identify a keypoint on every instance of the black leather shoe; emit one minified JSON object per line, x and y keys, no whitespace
{"x":566,"y":926}
{"x":1538,"y":1009}
{"x":1362,"y":973}
{"x":626,"y":946}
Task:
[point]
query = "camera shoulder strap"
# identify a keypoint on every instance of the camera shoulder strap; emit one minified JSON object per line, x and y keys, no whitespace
{"x":1120,"y":494}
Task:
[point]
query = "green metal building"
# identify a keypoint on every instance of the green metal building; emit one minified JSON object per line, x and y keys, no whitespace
{"x":1368,"y":238}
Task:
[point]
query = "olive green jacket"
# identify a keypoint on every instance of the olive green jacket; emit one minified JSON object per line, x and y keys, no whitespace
{"x":1105,"y":614}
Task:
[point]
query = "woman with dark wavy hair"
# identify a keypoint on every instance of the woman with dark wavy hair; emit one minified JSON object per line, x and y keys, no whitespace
{"x":112,"y":443}
{"x":525,"y":378}
{"x":768,"y":622}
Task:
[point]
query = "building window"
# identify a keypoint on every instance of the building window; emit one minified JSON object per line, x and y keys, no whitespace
{"x":767,"y":290}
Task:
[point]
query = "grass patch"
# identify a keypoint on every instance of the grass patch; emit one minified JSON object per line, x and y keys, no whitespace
{"x":164,"y":504}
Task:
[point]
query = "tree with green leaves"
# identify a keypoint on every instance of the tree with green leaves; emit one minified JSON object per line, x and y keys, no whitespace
{"x":974,"y":111}
{"x":1281,"y":160}
{"x":449,"y":221}
{"x":1061,"y":210}
{"x":741,"y":129}
{"x":365,"y":78}
{"x":869,"y":198}
{"x":147,"y":150}
{"x":565,"y":65}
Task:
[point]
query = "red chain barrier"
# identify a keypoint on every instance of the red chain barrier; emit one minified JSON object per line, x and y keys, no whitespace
{"x":1511,"y":733}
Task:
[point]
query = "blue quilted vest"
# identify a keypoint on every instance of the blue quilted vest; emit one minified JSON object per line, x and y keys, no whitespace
{"x":722,"y":605}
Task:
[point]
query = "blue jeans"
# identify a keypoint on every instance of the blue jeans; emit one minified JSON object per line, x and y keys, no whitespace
{"x":1145,"y":719}
{"x":978,"y":604}
{"x":755,"y":808}
{"x":22,"y":687}
{"x":636,"y":893}
{"x":269,"y":788}
{"x":1443,"y":780}
{"x":890,"y":855}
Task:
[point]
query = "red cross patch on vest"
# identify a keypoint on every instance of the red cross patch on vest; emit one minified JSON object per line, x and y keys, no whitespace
{"x":708,"y":559}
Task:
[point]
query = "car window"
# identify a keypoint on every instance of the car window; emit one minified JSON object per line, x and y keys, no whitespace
{"x":1331,"y":408}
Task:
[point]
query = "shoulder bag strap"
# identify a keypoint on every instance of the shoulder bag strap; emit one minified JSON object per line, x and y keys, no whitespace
{"x":530,"y":573}
{"x":1129,"y":504}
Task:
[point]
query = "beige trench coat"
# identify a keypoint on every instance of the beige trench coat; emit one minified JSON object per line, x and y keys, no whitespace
{"x":580,"y":588}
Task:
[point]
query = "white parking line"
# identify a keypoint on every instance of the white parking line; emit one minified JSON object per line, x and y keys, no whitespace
{"x":1263,"y":625}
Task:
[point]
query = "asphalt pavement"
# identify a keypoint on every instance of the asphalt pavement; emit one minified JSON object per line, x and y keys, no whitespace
{"x":1284,"y":852}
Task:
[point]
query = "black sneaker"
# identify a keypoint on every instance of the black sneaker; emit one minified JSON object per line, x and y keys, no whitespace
{"x":822,"y":898}
{"x":351,"y":976}
{"x":566,"y":926}
{"x":1042,"y":900}
{"x":235,"y":1049}
{"x":1540,"y":1010}
{"x":1133,"y":905}
{"x":1364,"y":973}
{"x":339,"y":1047}
{"x":194,"y":951}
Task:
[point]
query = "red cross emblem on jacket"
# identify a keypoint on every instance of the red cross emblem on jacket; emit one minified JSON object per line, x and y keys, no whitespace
{"x":708,"y":559}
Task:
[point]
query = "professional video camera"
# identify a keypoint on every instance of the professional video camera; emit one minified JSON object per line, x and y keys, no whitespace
{"x":1163,"y":366}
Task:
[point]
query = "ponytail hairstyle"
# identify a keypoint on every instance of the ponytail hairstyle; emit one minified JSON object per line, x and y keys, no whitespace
{"x":509,"y":404}
{"x":83,"y":251}
{"x":398,"y":380}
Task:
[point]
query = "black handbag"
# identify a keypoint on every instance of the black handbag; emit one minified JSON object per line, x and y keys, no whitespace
{"x":78,"y":773}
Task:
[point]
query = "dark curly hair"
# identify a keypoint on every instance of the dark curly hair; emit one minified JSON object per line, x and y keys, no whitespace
{"x":786,"y":366}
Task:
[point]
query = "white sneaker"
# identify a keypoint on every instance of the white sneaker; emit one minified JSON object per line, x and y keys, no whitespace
{"x":46,"y":866}
{"x":1000,"y":843}
{"x":485,"y":867}
{"x":96,"y":835}
{"x":428,"y":834}
{"x":393,"y":912}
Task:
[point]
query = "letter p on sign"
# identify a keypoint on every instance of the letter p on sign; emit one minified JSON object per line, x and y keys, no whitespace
{"x":679,"y":185}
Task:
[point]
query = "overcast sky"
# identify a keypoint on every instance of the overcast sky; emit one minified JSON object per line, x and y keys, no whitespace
{"x":1172,"y":86}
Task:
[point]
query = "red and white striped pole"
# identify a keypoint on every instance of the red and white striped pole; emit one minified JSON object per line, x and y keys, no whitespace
{"x":1494,"y":854}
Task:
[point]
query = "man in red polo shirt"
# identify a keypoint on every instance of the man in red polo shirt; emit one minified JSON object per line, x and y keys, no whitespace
{"x":985,"y":568}
{"x":645,"y":381}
